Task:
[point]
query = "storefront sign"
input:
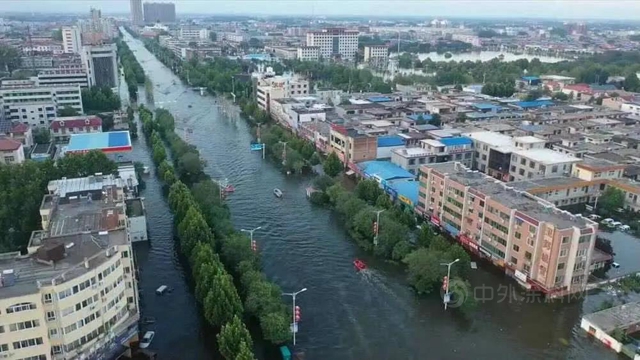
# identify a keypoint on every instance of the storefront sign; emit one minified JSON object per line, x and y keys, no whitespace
{"x":405,"y":200}
{"x":435,"y":221}
{"x":520,"y":276}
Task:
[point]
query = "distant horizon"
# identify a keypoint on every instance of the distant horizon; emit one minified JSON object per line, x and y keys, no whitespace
{"x":566,"y":10}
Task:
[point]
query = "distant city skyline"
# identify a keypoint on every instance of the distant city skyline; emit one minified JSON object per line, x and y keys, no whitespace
{"x":550,"y":9}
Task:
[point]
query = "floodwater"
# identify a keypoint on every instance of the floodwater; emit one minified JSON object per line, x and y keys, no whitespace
{"x":346,"y":315}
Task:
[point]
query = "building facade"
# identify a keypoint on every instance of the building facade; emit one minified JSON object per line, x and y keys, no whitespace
{"x":75,"y":294}
{"x":159,"y":12}
{"x":137,"y":17}
{"x":190,"y":32}
{"x":308,"y":53}
{"x":376,"y":53}
{"x":335,"y":43}
{"x":279,"y":87}
{"x":61,"y":76}
{"x":101,"y":64}
{"x":11,"y":151}
{"x":542,"y":247}
{"x":36,"y":106}
{"x":62,"y":128}
{"x":71,"y":40}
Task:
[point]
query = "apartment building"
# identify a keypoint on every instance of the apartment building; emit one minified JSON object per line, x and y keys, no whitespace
{"x":335,"y":43}
{"x":352,"y":146}
{"x":137,"y":17}
{"x":62,"y":128}
{"x":191,"y":32}
{"x":539,"y":164}
{"x":64,"y":75}
{"x":23,"y":101}
{"x":71,"y":40}
{"x":632,"y":108}
{"x":159,"y":12}
{"x":308,"y":53}
{"x":434,"y":151}
{"x":101,"y":65}
{"x":11,"y":151}
{"x":279,"y":87}
{"x":376,"y":53}
{"x":543,"y":248}
{"x":74,"y":296}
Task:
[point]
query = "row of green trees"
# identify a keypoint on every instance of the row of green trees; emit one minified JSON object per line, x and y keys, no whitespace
{"x":217,"y":253}
{"x":422,"y":255}
{"x":22,"y":187}
{"x":133,"y":72}
{"x":99,"y":99}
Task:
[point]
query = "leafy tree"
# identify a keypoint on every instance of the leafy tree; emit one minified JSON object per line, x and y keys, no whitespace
{"x":96,"y":99}
{"x":9,"y":58}
{"x":245,"y":352}
{"x":322,"y":183}
{"x":611,"y":200}
{"x":80,"y":165}
{"x":368,"y":190}
{"x":461,"y":117}
{"x":56,"y":34}
{"x":213,"y":36}
{"x":405,"y":60}
{"x":222,"y":303}
{"x":424,"y":269}
{"x":193,"y":229}
{"x":560,"y":96}
{"x":390,"y":234}
{"x":237,"y":248}
{"x":435,"y":120}
{"x":41,"y":136}
{"x":632,"y":83}
{"x":232,"y":337}
{"x":425,"y":236}
{"x":67,"y":111}
{"x":275,"y":327}
{"x":332,"y":165}
{"x":384,"y":201}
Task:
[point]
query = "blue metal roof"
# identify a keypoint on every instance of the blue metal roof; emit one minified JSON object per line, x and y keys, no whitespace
{"x":486,"y":106}
{"x":534,"y":104}
{"x":415,"y":117}
{"x":531,"y":127}
{"x":384,"y":170}
{"x":390,"y":140}
{"x":377,"y":99}
{"x":530,"y":78}
{"x":456,"y":141}
{"x":99,"y":141}
{"x":406,"y":188}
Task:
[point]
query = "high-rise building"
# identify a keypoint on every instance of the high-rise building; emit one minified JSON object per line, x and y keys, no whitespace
{"x":544,"y":248}
{"x":96,"y":19}
{"x":136,"y":12}
{"x":335,"y":43}
{"x":74,"y":294}
{"x":159,"y":12}
{"x":71,"y":40}
{"x":101,"y":64}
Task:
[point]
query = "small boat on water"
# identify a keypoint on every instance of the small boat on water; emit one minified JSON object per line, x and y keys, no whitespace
{"x":359,"y":264}
{"x":229,"y":188}
{"x":145,"y":170}
{"x":190,"y":106}
{"x":277,"y":193}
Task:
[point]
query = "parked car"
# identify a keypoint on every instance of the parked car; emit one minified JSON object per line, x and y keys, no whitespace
{"x":147,"y":339}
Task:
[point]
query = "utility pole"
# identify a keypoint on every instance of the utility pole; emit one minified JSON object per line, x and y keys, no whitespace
{"x":284,"y":152}
{"x":446,"y":290}
{"x":251,"y":231}
{"x":296,"y":313}
{"x":376,"y":227}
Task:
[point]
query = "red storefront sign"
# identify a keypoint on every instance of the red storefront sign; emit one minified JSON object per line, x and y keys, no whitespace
{"x":435,"y":220}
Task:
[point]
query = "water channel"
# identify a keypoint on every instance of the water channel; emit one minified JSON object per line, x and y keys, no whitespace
{"x":345,"y":315}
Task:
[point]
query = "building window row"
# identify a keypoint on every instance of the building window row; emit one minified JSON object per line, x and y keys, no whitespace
{"x":76,"y":289}
{"x":27,"y":343}
{"x":36,"y":357}
{"x":20,"y":307}
{"x":24,"y":325}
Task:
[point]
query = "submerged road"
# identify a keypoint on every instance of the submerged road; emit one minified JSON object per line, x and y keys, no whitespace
{"x":345,"y":314}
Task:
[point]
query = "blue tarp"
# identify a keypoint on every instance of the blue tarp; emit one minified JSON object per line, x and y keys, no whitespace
{"x":377,"y":99}
{"x":530,"y":78}
{"x":456,"y":141}
{"x":390,"y":140}
{"x":384,"y":170}
{"x":416,"y":117}
{"x":406,"y":188}
{"x":487,"y":106}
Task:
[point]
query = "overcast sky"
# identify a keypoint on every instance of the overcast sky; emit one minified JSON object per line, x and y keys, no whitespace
{"x":556,"y":9}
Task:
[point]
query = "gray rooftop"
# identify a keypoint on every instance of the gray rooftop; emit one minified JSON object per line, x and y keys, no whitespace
{"x":31,"y":272}
{"x":510,"y":196}
{"x":96,"y":182}
{"x":623,"y":316}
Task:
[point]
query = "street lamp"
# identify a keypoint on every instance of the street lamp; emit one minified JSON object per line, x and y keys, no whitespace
{"x":251,"y":231}
{"x":446,"y":291}
{"x":294,"y":325}
{"x":375,"y":238}
{"x":284,"y":152}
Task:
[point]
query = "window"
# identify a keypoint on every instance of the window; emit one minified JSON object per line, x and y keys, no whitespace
{"x":51,"y":315}
{"x":47,"y":298}
{"x":514,"y":260}
{"x":57,"y":349}
{"x":24,"y":325}
{"x":53,"y":332}
{"x":517,"y":235}
{"x":565,"y":239}
{"x":559,"y":279}
{"x":4,"y":348}
{"x":20,"y":307}
{"x":527,"y":255}
{"x":27,"y":343}
{"x":516,"y":248}
{"x":584,"y":239}
{"x":582,"y":252}
{"x":563,"y":252}
{"x":560,"y":266}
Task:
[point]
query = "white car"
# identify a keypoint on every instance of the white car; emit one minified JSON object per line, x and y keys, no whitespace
{"x":147,"y":339}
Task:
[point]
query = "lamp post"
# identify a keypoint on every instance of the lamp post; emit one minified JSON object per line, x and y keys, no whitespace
{"x":446,"y":290}
{"x":377,"y":226}
{"x":284,"y":152}
{"x":251,"y":231}
{"x":296,"y":315}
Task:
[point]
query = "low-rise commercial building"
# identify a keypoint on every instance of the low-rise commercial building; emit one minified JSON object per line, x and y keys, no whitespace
{"x":279,"y":87}
{"x":62,"y":128}
{"x":11,"y":151}
{"x":308,"y":53}
{"x":542,"y":247}
{"x":434,"y":151}
{"x":376,"y":53}
{"x":352,"y":146}
{"x":17,"y":131}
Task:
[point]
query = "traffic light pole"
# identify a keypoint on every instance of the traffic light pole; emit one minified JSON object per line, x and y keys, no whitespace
{"x":377,"y":227}
{"x":295,"y":315}
{"x":446,"y":290}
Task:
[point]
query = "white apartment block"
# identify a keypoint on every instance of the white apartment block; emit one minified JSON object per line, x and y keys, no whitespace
{"x":631,"y":107}
{"x":36,"y":106}
{"x":280,"y":87}
{"x":309,"y":53}
{"x":74,"y":295}
{"x":101,"y":64}
{"x":71,"y":40}
{"x":335,"y":42}
{"x":376,"y":53}
{"x":49,"y":48}
{"x":539,"y":164}
{"x":73,"y":75}
{"x":193,"y":33}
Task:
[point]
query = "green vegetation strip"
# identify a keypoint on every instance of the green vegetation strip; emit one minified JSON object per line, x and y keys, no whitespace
{"x":219,"y":255}
{"x":133,"y":72}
